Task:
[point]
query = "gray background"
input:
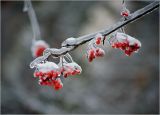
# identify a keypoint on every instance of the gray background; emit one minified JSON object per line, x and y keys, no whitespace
{"x":112,"y":84}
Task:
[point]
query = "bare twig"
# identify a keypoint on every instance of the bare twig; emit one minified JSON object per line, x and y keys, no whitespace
{"x":32,"y":16}
{"x":83,"y":39}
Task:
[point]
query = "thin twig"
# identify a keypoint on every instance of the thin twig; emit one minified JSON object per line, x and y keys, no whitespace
{"x":83,"y":39}
{"x":32,"y":16}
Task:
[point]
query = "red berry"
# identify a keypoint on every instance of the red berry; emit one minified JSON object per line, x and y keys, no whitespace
{"x":54,"y":74}
{"x":128,"y":52}
{"x":91,"y":55}
{"x":91,"y":58}
{"x":39,"y":51}
{"x":74,"y":72}
{"x":57,"y":84}
{"x":119,"y":45}
{"x":123,"y":46}
{"x":98,"y":40}
{"x":49,"y":74}
{"x":42,"y":82}
{"x":36,"y":74}
{"x":97,"y":50}
{"x":100,"y":52}
{"x":65,"y":75}
{"x":125,"y":13}
{"x":41,"y":73}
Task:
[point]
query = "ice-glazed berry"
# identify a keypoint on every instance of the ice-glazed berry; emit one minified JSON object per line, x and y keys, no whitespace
{"x":71,"y":69}
{"x":125,"y":12}
{"x":98,"y":39}
{"x":91,"y":55}
{"x":38,"y":47}
{"x":57,"y":84}
{"x":99,"y":52}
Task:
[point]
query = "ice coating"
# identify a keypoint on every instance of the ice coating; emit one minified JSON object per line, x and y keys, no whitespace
{"x":47,"y":66}
{"x":73,"y":66}
{"x":69,"y":41}
{"x":121,"y":37}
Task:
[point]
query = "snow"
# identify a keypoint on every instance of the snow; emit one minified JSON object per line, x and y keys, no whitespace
{"x":48,"y":66}
{"x":69,"y":41}
{"x":121,"y":37}
{"x":73,"y":66}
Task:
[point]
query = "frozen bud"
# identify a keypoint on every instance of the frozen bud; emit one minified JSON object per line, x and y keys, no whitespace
{"x":38,"y":47}
{"x":98,"y":38}
{"x":69,"y":42}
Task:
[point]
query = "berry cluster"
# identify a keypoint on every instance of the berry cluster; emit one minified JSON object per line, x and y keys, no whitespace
{"x":38,"y":47}
{"x":49,"y":73}
{"x":93,"y":49}
{"x":95,"y":52}
{"x":125,"y":42}
{"x":71,"y":69}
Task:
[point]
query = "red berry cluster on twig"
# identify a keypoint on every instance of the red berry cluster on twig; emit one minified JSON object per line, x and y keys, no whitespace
{"x":48,"y":74}
{"x":125,"y":42}
{"x":93,"y":49}
{"x":69,"y":68}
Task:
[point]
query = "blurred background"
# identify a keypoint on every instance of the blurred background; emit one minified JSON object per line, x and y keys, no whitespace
{"x":112,"y":84}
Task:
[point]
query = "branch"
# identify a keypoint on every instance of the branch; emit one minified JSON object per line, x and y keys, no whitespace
{"x":83,"y":39}
{"x":32,"y":16}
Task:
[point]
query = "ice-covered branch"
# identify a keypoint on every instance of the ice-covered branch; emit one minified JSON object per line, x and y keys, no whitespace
{"x":72,"y":43}
{"x":32,"y":16}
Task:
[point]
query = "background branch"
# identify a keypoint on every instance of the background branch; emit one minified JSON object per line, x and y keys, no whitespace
{"x":83,"y":39}
{"x":32,"y":16}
